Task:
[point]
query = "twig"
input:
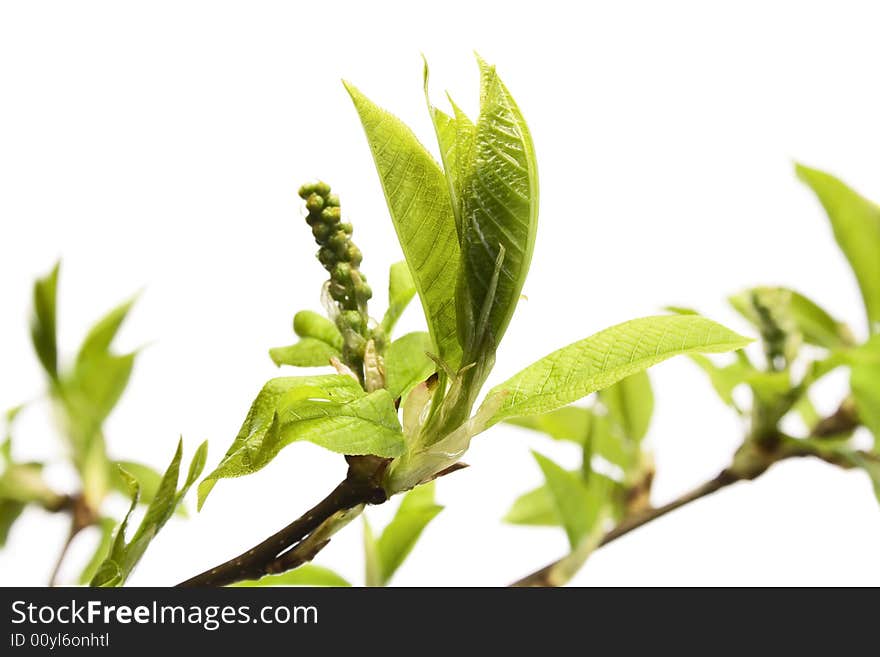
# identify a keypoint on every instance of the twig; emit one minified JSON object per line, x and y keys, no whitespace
{"x":280,"y":551}
{"x":543,"y":577}
{"x":842,"y":421}
{"x":81,"y":517}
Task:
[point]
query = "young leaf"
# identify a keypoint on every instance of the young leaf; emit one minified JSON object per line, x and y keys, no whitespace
{"x":308,"y":574}
{"x":865,"y":384}
{"x":725,"y":378}
{"x":630,"y":404}
{"x":124,"y":555}
{"x":605,"y":358}
{"x":856,"y":224}
{"x":372,"y":564}
{"x":499,"y":218}
{"x":332,"y":411}
{"x":578,"y":503}
{"x":105,"y":527}
{"x":815,"y":324}
{"x":416,"y":510}
{"x":100,"y":336}
{"x":455,"y":136}
{"x":401,"y":290}
{"x":308,"y":352}
{"x":147,"y":477}
{"x":10,"y":510}
{"x":43,"y":322}
{"x":309,"y":324}
{"x":421,"y":210}
{"x":535,"y":508}
{"x":407,"y":363}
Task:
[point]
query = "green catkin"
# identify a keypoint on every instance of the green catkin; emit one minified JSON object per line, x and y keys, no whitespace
{"x":341,"y":258}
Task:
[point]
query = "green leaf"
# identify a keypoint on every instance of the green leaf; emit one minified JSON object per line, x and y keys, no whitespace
{"x":385,"y":555}
{"x":865,"y":384}
{"x":579,"y":504}
{"x":856,"y":224}
{"x":407,"y":363}
{"x":308,"y":352}
{"x":124,"y":555}
{"x":725,"y":378}
{"x":570,"y":423}
{"x":24,"y":483}
{"x":401,"y":290}
{"x":306,"y":575}
{"x":105,"y":527}
{"x":43,"y":321}
{"x":10,"y":510}
{"x":331,"y":411}
{"x":372,"y":565}
{"x":309,"y":324}
{"x":455,"y":136}
{"x":418,"y":200}
{"x":100,"y":336}
{"x":499,"y":218}
{"x":630,"y":404}
{"x":92,"y":391}
{"x":148,"y":478}
{"x":583,"y":426}
{"x":815,"y":324}
{"x":535,"y":508}
{"x":605,"y":358}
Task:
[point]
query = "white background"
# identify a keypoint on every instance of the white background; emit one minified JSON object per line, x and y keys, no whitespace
{"x":161,"y":145}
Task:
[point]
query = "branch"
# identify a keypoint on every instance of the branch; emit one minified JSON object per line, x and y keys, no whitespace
{"x":81,"y":517}
{"x":842,"y":421}
{"x":544,"y":576}
{"x":289,"y":547}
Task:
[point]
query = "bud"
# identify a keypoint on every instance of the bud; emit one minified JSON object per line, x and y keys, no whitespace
{"x":314,"y":203}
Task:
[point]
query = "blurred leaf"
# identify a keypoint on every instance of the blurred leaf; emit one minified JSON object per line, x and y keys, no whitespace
{"x":10,"y":511}
{"x":580,"y":504}
{"x":570,"y":423}
{"x":499,"y":216}
{"x":401,"y":290}
{"x":856,"y":224}
{"x":306,"y":575}
{"x":416,"y":510}
{"x":605,"y":358}
{"x":123,"y":556}
{"x":769,"y":387}
{"x":94,"y":468}
{"x":418,"y":200}
{"x":308,"y":352}
{"x":807,"y":412}
{"x":816,"y":326}
{"x":372,"y":564}
{"x":97,"y":342}
{"x":680,"y":310}
{"x":91,"y":392}
{"x":309,"y":324}
{"x":865,"y":384}
{"x":43,"y":321}
{"x":536,"y":508}
{"x":331,"y":411}
{"x":105,"y":528}
{"x":24,"y":483}
{"x":726,"y":378}
{"x":407,"y":363}
{"x":630,"y":404}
